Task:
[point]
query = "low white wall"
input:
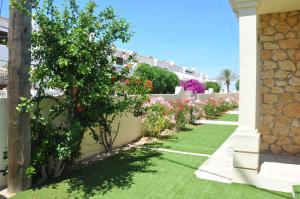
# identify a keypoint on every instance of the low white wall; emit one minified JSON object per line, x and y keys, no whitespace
{"x":3,"y":135}
{"x":181,"y":94}
{"x":131,"y":128}
{"x":216,"y":95}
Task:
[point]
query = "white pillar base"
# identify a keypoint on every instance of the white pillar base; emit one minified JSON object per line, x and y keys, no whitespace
{"x":245,"y":156}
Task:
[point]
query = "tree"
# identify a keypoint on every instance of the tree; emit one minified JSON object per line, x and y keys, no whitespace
{"x":237,"y":85}
{"x":227,"y":76}
{"x":213,"y":85}
{"x":163,"y":80}
{"x":73,"y":52}
{"x":18,"y":87}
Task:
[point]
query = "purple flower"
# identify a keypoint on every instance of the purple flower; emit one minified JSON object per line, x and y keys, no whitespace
{"x":193,"y":85}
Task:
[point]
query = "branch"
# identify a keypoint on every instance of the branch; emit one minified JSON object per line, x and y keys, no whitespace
{"x":117,"y":131}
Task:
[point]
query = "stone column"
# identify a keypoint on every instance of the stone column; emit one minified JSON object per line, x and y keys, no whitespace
{"x":247,"y":139}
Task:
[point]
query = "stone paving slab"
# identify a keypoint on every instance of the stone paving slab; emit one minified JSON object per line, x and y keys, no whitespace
{"x":219,"y":166}
{"x":216,"y":122}
{"x":233,"y":112}
{"x":277,"y":172}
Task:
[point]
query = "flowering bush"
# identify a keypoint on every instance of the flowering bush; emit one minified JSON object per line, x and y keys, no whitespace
{"x":214,"y":107}
{"x":158,"y":116}
{"x":193,"y":85}
{"x":180,"y":111}
{"x":195,"y":108}
{"x":161,"y":114}
{"x":73,"y":50}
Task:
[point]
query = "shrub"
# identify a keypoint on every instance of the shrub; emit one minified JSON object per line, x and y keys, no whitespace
{"x":180,"y":113}
{"x":215,"y":107}
{"x":210,"y":108}
{"x":213,"y":85}
{"x":193,"y":85}
{"x":163,"y":80}
{"x":73,"y":52}
{"x":195,"y":109}
{"x":158,"y":116}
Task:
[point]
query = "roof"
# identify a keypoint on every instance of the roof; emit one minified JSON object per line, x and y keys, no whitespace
{"x":265,"y":6}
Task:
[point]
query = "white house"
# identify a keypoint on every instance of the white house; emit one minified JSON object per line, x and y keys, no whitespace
{"x":3,"y":40}
{"x":184,"y":73}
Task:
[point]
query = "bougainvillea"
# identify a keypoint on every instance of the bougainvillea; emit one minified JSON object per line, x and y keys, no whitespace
{"x":193,"y":85}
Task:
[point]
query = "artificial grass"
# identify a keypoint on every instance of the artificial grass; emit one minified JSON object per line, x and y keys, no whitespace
{"x":297,"y":191}
{"x":152,"y":174}
{"x":144,"y":174}
{"x":228,"y":117}
{"x":201,"y":139}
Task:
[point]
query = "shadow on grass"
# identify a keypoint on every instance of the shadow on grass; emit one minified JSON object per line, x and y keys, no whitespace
{"x":102,"y":176}
{"x":115,"y":172}
{"x":187,"y":128}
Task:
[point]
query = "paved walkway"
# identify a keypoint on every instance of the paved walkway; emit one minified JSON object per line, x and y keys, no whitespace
{"x":233,"y":112}
{"x":216,"y":122}
{"x":219,"y":166}
{"x":175,"y":151}
{"x":277,"y":172}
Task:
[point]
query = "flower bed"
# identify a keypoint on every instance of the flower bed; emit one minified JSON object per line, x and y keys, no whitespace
{"x":212,"y":108}
{"x":161,"y":114}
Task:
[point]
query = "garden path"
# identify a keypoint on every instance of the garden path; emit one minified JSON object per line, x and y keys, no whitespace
{"x":216,"y":122}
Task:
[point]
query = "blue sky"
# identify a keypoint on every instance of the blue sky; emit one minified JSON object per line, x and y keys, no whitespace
{"x":194,"y":33}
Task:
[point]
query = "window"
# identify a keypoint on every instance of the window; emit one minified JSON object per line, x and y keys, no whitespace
{"x":189,"y":72}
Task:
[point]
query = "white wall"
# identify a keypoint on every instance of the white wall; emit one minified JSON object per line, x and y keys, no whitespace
{"x":3,"y":55}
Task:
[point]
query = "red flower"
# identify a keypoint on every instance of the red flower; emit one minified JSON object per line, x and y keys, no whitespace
{"x":79,"y":109}
{"x":148,"y":84}
{"x":181,"y":107}
{"x":113,"y":79}
{"x":127,"y":82}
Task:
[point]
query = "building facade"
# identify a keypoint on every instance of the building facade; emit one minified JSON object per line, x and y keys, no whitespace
{"x":269,"y":121}
{"x":183,"y":73}
{"x":3,"y":52}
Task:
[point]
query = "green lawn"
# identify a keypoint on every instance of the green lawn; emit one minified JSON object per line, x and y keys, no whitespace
{"x":202,"y":139}
{"x":297,"y":191}
{"x":143,"y":174}
{"x":228,"y":117}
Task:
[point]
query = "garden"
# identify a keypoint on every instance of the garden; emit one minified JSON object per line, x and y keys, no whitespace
{"x":144,"y":173}
{"x":73,"y":52}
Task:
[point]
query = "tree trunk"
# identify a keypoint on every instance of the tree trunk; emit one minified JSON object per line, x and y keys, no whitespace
{"x":19,"y":136}
{"x":227,"y":87}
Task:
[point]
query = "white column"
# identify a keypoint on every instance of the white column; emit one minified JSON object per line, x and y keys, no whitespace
{"x":247,"y":139}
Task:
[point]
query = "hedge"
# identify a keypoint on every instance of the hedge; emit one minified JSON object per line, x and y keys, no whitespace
{"x":164,"y":81}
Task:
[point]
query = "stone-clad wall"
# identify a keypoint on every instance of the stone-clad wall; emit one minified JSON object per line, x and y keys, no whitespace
{"x":279,"y":36}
